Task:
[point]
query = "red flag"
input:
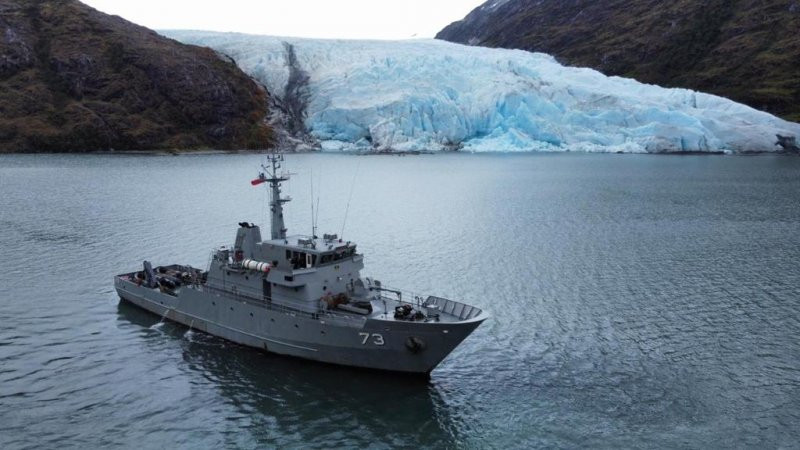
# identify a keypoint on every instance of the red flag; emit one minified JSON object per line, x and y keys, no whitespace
{"x":257,"y":181}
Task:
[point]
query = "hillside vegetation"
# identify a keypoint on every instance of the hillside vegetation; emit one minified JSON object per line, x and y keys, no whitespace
{"x":75,"y":79}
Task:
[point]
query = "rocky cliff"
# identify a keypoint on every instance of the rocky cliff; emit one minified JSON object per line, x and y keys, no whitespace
{"x":747,"y":50}
{"x":75,"y":79}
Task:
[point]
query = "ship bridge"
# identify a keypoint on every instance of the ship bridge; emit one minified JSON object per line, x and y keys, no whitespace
{"x":305,"y":252}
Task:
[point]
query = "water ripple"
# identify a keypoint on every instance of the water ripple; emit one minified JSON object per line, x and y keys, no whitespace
{"x":636,"y":301}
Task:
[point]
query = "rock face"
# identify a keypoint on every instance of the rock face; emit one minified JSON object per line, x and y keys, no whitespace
{"x":747,"y":50}
{"x":788,"y":144}
{"x":75,"y":79}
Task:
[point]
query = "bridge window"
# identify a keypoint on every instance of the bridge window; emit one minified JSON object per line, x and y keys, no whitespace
{"x":301,"y":260}
{"x":338,"y":255}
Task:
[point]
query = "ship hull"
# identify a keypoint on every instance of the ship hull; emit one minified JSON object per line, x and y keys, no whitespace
{"x":397,"y":346}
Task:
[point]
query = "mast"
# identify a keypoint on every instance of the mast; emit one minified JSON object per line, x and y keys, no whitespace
{"x":270,"y":175}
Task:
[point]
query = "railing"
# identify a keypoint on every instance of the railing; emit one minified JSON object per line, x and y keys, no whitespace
{"x":451,"y":307}
{"x":402,"y":296}
{"x":454,"y":308}
{"x":257,"y":298}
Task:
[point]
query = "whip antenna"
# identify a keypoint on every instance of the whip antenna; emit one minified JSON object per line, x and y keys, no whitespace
{"x":319,"y":185}
{"x":350,"y":197}
{"x":313,"y":221}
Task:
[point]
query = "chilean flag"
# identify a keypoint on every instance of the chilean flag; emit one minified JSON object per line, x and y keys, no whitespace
{"x":261,"y":179}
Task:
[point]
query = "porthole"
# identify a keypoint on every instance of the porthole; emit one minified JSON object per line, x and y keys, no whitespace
{"x":296,"y":326}
{"x":251,"y":314}
{"x":322,"y":332}
{"x":231,"y":308}
{"x":214,"y":303}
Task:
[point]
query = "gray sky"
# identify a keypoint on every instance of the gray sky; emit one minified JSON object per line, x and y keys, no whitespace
{"x":348,"y":19}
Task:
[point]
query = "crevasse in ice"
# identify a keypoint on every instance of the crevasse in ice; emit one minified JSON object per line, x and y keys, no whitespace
{"x":435,"y":95}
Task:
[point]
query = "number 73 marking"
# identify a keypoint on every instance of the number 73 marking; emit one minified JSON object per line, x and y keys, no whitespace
{"x":377,"y":339}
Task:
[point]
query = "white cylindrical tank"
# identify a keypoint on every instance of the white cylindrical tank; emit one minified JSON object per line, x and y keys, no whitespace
{"x":258,"y":266}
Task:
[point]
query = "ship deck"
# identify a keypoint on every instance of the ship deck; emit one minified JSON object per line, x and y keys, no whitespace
{"x":435,"y":309}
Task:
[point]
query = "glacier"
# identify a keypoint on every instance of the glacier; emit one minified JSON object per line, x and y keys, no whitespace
{"x":433,"y":95}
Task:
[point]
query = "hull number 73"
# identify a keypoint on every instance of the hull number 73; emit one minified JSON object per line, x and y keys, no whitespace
{"x":374,"y":338}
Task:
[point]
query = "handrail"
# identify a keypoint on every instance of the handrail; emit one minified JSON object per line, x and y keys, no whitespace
{"x":260,"y":301}
{"x":454,"y":308}
{"x":461,"y":310}
{"x":419,"y":299}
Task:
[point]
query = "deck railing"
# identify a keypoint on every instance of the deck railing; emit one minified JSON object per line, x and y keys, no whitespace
{"x":460,"y":310}
{"x":454,"y":308}
{"x":445,"y":306}
{"x":257,"y":298}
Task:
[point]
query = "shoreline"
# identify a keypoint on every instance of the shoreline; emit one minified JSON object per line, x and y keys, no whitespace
{"x":387,"y":153}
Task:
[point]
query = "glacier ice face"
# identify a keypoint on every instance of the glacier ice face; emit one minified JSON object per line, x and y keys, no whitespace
{"x":435,"y":95}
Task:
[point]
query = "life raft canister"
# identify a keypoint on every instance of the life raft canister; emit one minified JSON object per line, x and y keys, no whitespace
{"x":256,"y":265}
{"x":415,"y":344}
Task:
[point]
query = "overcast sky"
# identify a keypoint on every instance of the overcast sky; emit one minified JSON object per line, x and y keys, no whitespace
{"x":348,"y":19}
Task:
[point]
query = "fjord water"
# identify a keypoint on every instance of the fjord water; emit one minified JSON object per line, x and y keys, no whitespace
{"x":636,"y":301}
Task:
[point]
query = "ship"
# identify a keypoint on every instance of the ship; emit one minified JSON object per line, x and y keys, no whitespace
{"x":302,"y":296}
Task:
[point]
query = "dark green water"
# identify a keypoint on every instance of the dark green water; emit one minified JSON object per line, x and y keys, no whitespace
{"x":637,"y":301}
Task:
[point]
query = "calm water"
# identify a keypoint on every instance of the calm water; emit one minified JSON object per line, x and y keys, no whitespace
{"x":637,"y":301}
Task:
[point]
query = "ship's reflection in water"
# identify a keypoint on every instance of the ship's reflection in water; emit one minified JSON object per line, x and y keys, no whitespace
{"x":283,"y":401}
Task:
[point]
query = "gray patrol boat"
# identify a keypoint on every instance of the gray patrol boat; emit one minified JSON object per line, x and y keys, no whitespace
{"x":302,"y":296}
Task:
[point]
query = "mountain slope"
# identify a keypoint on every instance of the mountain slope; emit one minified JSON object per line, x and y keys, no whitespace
{"x":435,"y":95}
{"x":747,"y":50}
{"x":75,"y":79}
